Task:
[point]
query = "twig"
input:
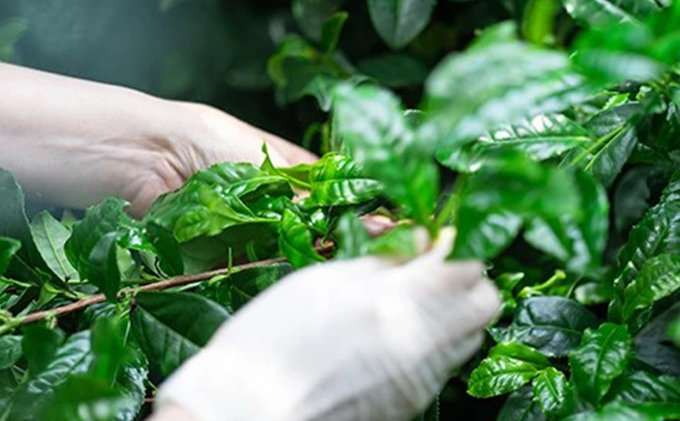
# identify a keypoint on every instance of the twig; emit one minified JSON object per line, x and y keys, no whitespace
{"x":156,"y":286}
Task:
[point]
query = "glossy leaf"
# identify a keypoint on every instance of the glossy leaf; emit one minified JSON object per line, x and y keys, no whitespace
{"x":100,"y":220}
{"x":541,"y":137}
{"x":643,"y":387}
{"x":8,"y":248}
{"x":399,"y":21}
{"x":296,"y":241}
{"x":72,"y":358}
{"x":603,"y":356}
{"x":552,"y":325}
{"x":607,"y":12}
{"x":171,"y":327}
{"x":520,"y":406}
{"x":507,"y":368}
{"x":215,"y":199}
{"x":371,"y":122}
{"x":485,"y":235}
{"x":659,"y":278}
{"x":550,"y":390}
{"x":337,"y":181}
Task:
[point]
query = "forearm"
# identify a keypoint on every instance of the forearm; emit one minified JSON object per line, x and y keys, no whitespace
{"x":51,"y":126}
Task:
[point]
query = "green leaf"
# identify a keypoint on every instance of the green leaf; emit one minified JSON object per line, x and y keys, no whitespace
{"x":659,"y":278}
{"x":600,"y":13}
{"x":88,"y":399}
{"x":674,"y":332}
{"x":50,"y":237}
{"x":642,"y":387}
{"x":39,"y":345}
{"x":8,"y":248}
{"x":603,"y":356}
{"x":167,"y":249}
{"x":552,"y":325}
{"x":354,"y":238}
{"x":657,"y":233}
{"x":520,"y":406}
{"x":100,"y":220}
{"x":296,"y":241}
{"x":331,"y":30}
{"x":103,"y":269}
{"x":485,"y":235}
{"x":240,"y":287}
{"x":215,"y":199}
{"x":398,"y":22}
{"x":10,"y":351}
{"x":336,"y":180}
{"x":371,"y":123}
{"x":508,"y":367}
{"x":171,"y":327}
{"x":310,"y":15}
{"x":541,"y":137}
{"x":550,"y":390}
{"x":32,"y":395}
{"x":617,"y":411}
{"x":580,"y":244}
{"x":497,"y":83}
{"x":394,"y":70}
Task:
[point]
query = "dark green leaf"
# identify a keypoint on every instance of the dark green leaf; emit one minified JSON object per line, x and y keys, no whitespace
{"x":641,"y":387}
{"x":508,"y":367}
{"x":399,"y":21}
{"x":103,"y":269}
{"x":50,"y":237}
{"x":167,"y":248}
{"x":310,"y":15}
{"x":603,"y":356}
{"x":520,"y":406}
{"x":653,"y":345}
{"x":10,"y":351}
{"x":395,"y":70}
{"x":659,"y":278}
{"x":8,"y":248}
{"x":72,"y":358}
{"x":550,"y":390}
{"x":331,"y":30}
{"x":39,"y":345}
{"x":296,"y":241}
{"x":171,"y":327}
{"x":553,"y":325}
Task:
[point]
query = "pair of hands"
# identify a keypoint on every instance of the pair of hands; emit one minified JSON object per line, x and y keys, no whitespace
{"x":366,"y":339}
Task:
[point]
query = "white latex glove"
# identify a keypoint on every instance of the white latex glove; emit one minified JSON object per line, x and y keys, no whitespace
{"x":359,"y":340}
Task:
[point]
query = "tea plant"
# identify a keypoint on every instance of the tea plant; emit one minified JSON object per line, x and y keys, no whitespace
{"x":554,"y":157}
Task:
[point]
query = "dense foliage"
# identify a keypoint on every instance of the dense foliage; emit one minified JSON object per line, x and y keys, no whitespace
{"x":550,"y":142}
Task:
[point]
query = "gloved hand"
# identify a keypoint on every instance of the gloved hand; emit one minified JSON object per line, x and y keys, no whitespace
{"x":359,"y":340}
{"x":72,"y":143}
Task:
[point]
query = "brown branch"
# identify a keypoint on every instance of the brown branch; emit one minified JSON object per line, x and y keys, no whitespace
{"x":174,"y":282}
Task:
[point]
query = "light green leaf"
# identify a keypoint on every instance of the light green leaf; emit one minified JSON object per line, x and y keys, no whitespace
{"x":50,"y":237}
{"x":171,"y":327}
{"x":398,"y":22}
{"x":600,"y":13}
{"x":215,"y":199}
{"x":550,"y":390}
{"x":603,"y":356}
{"x":353,"y":241}
{"x":371,"y":123}
{"x":336,"y":180}
{"x":296,"y":241}
{"x":508,"y":367}
{"x":88,"y":399}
